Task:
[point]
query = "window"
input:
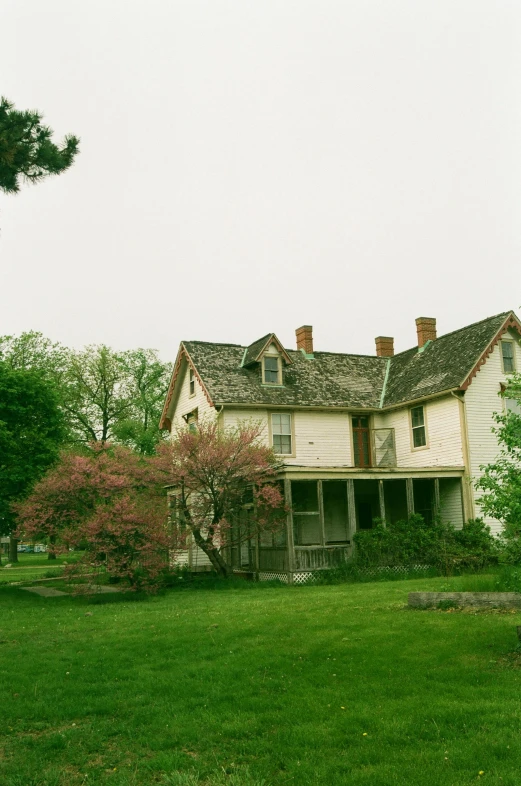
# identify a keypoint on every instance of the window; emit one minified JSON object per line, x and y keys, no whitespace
{"x":512,"y":405}
{"x":362,"y":452}
{"x":271,"y":370}
{"x":419,"y":436}
{"x":192,"y":382}
{"x":281,"y":433}
{"x":507,"y":354}
{"x":191,"y":420}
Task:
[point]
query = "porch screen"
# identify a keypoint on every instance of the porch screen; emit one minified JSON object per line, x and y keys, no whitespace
{"x":335,"y":511}
{"x":306,"y":520}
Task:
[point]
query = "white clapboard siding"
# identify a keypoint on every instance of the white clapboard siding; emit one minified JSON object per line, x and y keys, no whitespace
{"x":321,"y":439}
{"x":186,"y":403}
{"x":444,"y":438}
{"x":481,"y":401}
{"x":232,"y":418}
{"x":198,"y":557}
{"x":179,"y":558}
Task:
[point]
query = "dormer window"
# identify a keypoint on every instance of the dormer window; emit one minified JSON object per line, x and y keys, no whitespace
{"x":271,"y":370}
{"x":507,"y":355}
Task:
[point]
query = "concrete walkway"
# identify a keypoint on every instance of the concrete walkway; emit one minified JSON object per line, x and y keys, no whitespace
{"x":46,"y":592}
{"x":50,"y":592}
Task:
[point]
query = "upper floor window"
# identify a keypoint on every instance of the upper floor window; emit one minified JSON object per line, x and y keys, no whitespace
{"x":271,"y":370}
{"x":361,"y":441}
{"x":507,"y":355}
{"x":281,"y":434}
{"x":191,"y":384}
{"x":512,"y":405}
{"x":419,"y":435}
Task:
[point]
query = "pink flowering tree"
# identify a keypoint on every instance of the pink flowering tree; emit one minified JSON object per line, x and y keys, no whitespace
{"x":110,"y":501}
{"x":215,"y":472}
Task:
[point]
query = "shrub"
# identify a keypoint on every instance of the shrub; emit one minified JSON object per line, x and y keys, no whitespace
{"x":416,"y":542}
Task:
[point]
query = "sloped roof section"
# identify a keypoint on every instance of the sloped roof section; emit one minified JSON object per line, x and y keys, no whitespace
{"x":329,"y":380}
{"x":251,"y":353}
{"x":444,"y":364}
{"x":230,"y":375}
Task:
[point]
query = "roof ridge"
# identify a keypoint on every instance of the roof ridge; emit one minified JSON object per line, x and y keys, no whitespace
{"x":458,"y":330}
{"x":214,"y":343}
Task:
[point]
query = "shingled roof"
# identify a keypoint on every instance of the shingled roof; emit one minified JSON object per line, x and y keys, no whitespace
{"x":444,"y":364}
{"x":330,"y":379}
{"x":353,"y":381}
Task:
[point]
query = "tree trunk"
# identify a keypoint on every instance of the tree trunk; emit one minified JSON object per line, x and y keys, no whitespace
{"x":51,"y":554}
{"x":13,"y":549}
{"x":213,"y":554}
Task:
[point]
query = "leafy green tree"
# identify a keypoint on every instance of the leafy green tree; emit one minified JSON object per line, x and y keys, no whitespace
{"x":116,"y":396}
{"x":501,"y":480}
{"x":148,"y":378}
{"x":98,"y":396}
{"x":104,"y":395}
{"x":33,"y":351}
{"x":26,"y":148}
{"x":31,"y":432}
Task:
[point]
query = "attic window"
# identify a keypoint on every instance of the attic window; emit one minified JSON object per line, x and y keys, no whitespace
{"x":507,"y":355}
{"x":271,"y":370}
{"x":192,"y":382}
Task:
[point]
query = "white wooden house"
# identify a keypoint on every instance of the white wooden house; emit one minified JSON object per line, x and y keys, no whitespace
{"x":361,"y":437}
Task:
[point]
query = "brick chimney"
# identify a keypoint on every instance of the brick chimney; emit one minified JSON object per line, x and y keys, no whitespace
{"x":426,"y":329}
{"x":305,"y":338}
{"x":384,"y":346}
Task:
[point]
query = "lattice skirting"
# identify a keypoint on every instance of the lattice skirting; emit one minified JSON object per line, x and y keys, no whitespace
{"x":394,"y":569}
{"x":310,"y":577}
{"x":298,"y":578}
{"x":272,"y":576}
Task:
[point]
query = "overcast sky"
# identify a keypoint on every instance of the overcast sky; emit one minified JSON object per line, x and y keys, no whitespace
{"x":250,"y":166}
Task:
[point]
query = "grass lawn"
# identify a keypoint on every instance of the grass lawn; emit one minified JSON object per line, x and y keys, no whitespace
{"x":34,"y":566}
{"x":260,"y":686}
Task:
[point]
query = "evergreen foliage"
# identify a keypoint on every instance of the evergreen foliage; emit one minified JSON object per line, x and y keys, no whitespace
{"x":27,"y":151}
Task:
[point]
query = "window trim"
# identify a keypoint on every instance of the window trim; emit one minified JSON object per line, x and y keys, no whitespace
{"x":411,"y":429}
{"x":191,"y":382}
{"x":505,"y":398}
{"x":279,"y":382}
{"x":512,"y":344}
{"x":192,"y":418}
{"x":292,"y":432}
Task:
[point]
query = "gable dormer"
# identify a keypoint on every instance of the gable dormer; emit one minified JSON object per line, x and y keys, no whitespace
{"x":268,"y":353}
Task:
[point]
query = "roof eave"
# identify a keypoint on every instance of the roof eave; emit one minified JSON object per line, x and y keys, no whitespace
{"x":165,"y":422}
{"x":511,"y":321}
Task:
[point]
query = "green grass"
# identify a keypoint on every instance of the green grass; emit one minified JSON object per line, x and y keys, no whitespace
{"x":260,"y":687}
{"x":31,"y":567}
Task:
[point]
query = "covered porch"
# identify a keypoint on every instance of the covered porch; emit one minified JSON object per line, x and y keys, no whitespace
{"x":326,"y":508}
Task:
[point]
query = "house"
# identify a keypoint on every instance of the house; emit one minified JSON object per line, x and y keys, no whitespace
{"x":361,"y":437}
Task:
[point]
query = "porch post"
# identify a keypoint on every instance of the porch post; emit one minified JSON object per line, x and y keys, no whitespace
{"x":437,"y":506}
{"x":257,"y":556}
{"x":289,"y":530}
{"x":351,"y":510}
{"x":381,"y":497}
{"x":410,"y":497}
{"x":321,"y":514}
